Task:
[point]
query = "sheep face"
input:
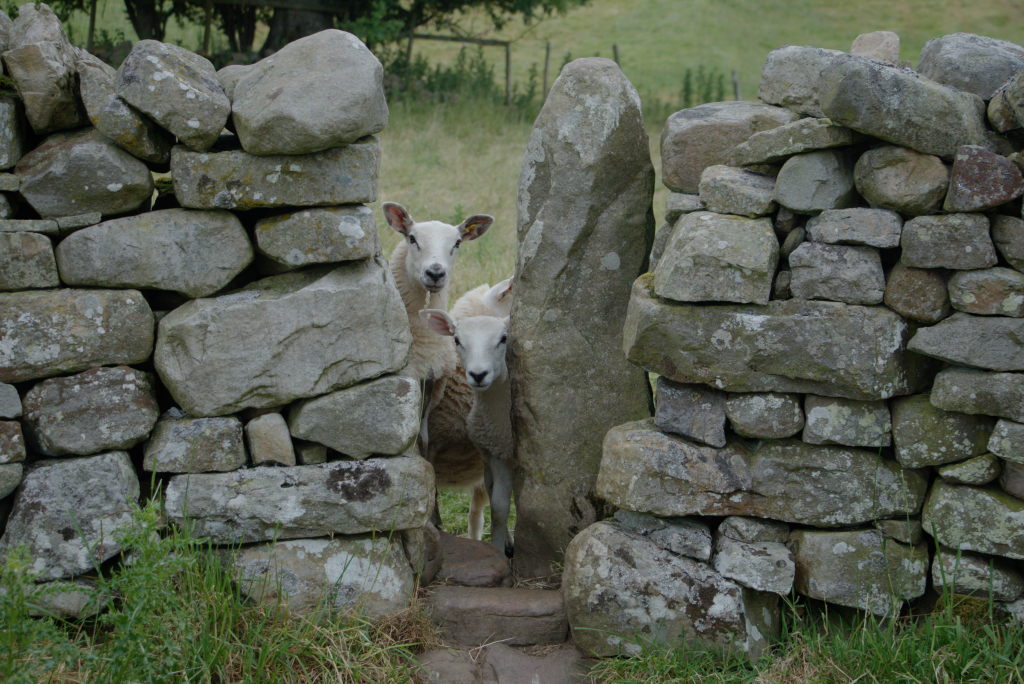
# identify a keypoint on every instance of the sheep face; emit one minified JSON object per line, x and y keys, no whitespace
{"x":480,"y":341}
{"x":430,"y":257}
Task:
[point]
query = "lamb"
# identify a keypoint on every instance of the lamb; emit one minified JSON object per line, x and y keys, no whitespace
{"x":422,"y":265}
{"x":481,"y":343}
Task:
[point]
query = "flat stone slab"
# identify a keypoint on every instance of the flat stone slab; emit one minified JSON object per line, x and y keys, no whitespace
{"x":497,"y":663}
{"x":973,"y":63}
{"x":791,"y":77}
{"x":978,"y":471}
{"x":827,"y":486}
{"x":26,"y":262}
{"x":994,"y":291}
{"x":340,"y":497}
{"x":237,"y":180}
{"x":802,"y":135}
{"x":840,"y":273}
{"x":55,"y":332}
{"x":180,"y":444}
{"x":974,"y":391}
{"x":870,"y":227}
{"x":517,"y":617}
{"x":251,"y":348}
{"x":318,"y":236}
{"x":847,"y":422}
{"x":774,"y":348}
{"x":956,"y":241}
{"x":764,"y":415}
{"x":986,"y":342}
{"x":979,"y":519}
{"x":926,"y":435}
{"x":976,"y":575}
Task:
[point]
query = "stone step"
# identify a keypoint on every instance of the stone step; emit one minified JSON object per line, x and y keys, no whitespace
{"x":471,"y":563}
{"x":501,"y":664}
{"x":472,"y":616}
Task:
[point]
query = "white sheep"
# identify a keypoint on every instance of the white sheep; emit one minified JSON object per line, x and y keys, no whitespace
{"x":481,"y":343}
{"x":422,"y":265}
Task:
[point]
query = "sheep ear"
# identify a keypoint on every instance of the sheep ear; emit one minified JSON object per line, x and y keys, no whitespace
{"x":475,"y":226}
{"x":438,"y":321}
{"x":500,"y":292}
{"x":397,"y":217}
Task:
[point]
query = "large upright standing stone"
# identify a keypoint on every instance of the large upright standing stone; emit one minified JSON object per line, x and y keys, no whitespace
{"x":585,"y":228}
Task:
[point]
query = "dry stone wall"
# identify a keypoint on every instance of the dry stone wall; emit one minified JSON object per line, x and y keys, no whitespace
{"x":236,"y":338}
{"x":834,"y":316}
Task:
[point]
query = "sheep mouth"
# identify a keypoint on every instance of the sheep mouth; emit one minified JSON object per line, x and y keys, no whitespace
{"x":435,"y":287}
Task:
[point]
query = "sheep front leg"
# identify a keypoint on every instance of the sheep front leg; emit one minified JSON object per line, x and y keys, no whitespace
{"x":477,"y":503}
{"x":498,"y":476}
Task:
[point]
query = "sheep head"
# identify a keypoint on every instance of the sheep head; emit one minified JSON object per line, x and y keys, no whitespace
{"x":430,"y":257}
{"x":480,"y":342}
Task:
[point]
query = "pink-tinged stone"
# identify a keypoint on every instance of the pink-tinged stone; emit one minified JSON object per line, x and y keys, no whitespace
{"x":982,"y":180}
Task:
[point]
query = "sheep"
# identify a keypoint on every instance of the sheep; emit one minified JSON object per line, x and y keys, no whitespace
{"x":481,"y":343}
{"x":421,"y":266}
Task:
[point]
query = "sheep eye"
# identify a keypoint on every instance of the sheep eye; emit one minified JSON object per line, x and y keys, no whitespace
{"x":412,"y":240}
{"x":503,"y":340}
{"x":457,"y":342}
{"x":457,"y":243}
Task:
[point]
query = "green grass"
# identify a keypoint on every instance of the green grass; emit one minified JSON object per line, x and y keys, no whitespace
{"x":960,"y":641}
{"x":174,"y":615}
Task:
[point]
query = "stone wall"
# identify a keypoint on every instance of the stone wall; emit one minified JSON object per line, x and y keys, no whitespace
{"x":834,"y":314}
{"x":234,"y":337}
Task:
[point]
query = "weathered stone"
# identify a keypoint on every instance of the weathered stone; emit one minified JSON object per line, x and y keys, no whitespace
{"x":180,"y":444}
{"x":192,"y":252}
{"x":661,"y":238}
{"x":236,"y":180}
{"x":764,"y":415}
{"x":838,"y":273}
{"x":10,"y":402}
{"x":681,"y":536}
{"x":762,"y":566}
{"x":717,"y":257}
{"x":76,"y":599}
{"x":1007,"y":441}
{"x":786,"y":221}
{"x":973,"y":391}
{"x":918,"y":294}
{"x":52,"y":332}
{"x":102,"y":409}
{"x":794,"y":239}
{"x":478,"y":615}
{"x":423,"y":549}
{"x":1011,"y":97}
{"x":379,"y":417}
{"x":41,"y":226}
{"x":321,"y":91}
{"x":318,"y":236}
{"x":904,"y":530}
{"x":71,"y":513}
{"x":648,"y":471}
{"x":115,"y":118}
{"x":9,"y":182}
{"x":66,"y":224}
{"x":975,"y":519}
{"x":26,"y":261}
{"x":617,"y":585}
{"x":309,"y":453}
{"x":496,"y":662}
{"x":982,"y":180}
{"x":1008,"y":236}
{"x":12,"y":442}
{"x":10,"y":478}
{"x":791,"y":77}
{"x":926,"y":435}
{"x":472,"y":563}
{"x":847,"y":422}
{"x":900,"y":106}
{"x":980,"y":341}
{"x":978,"y":471}
{"x":82,"y":171}
{"x":588,"y":146}
{"x":974,"y":575}
{"x":976,"y":64}
{"x":957,"y":241}
{"x":250,"y":348}
{"x":753,"y":529}
{"x":774,"y":348}
{"x":679,"y":203}
{"x":340,"y":497}
{"x":901,"y":179}
{"x":728,"y":190}
{"x":988,"y":292}
{"x":859,"y":568}
{"x":176,"y":88}
{"x":1000,"y":112}
{"x":1012,"y":479}
{"x":230,"y":75}
{"x":369,"y":576}
{"x":780,"y":288}
{"x":816,"y":181}
{"x":41,"y":62}
{"x":871,"y":227}
{"x":802,"y":135}
{"x":693,"y":411}
{"x":14,"y":136}
{"x":696,"y":138}
{"x":268,"y":440}
{"x":881,"y":45}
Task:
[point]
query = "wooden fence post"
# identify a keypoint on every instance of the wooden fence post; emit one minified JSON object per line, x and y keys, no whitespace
{"x":735,"y":86}
{"x":615,"y":54}
{"x":547,"y":62}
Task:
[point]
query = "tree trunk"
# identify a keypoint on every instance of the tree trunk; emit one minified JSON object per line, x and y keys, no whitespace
{"x":289,"y":24}
{"x":148,"y":18}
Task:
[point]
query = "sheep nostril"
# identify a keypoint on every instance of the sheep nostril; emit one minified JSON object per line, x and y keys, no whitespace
{"x":435,"y":272}
{"x":478,"y":378}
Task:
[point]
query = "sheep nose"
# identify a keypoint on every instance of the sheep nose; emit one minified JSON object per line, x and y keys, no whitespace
{"x":435,"y":272}
{"x":478,"y":378}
